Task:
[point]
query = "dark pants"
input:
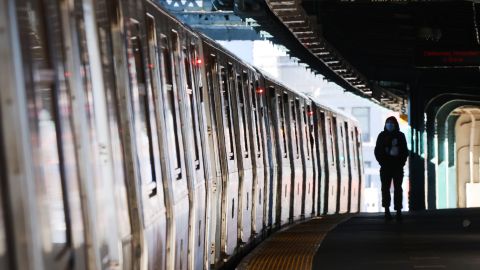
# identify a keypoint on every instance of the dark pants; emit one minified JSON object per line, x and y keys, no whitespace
{"x":386,"y":176}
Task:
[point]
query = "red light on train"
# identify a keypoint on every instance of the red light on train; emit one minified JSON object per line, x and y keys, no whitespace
{"x":310,"y":113}
{"x":198,"y":62}
{"x":260,"y":90}
{"x":150,"y":66}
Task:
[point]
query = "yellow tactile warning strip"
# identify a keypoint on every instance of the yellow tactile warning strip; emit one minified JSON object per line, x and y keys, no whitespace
{"x":292,"y":248}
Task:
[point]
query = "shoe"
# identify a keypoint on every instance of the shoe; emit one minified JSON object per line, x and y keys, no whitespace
{"x":399,"y":216}
{"x":388,"y":216}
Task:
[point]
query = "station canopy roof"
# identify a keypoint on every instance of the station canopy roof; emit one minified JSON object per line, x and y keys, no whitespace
{"x":381,"y":50}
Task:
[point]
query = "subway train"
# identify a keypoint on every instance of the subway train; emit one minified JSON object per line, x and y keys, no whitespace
{"x":130,"y":141}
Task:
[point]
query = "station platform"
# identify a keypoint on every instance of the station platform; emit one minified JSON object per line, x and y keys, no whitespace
{"x":440,"y":239}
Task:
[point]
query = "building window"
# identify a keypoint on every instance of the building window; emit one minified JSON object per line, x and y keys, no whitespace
{"x":363,"y":116}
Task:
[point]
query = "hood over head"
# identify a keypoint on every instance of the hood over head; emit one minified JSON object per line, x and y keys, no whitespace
{"x":394,"y":121}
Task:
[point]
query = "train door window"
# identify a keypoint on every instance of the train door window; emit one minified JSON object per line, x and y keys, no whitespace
{"x":227,"y":113}
{"x":294,"y":106}
{"x":307,"y":135}
{"x":153,"y":92}
{"x":341,"y":147}
{"x":242,"y":115}
{"x":144,"y":114}
{"x":49,"y":119}
{"x":197,"y":71}
{"x":345,"y":143}
{"x":255,"y":119}
{"x":353,"y":147}
{"x":171,"y":115}
{"x":193,"y":107}
{"x":282,"y":125}
{"x":332,"y":144}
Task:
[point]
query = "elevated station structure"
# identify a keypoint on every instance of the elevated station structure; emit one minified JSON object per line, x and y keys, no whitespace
{"x":420,"y":58}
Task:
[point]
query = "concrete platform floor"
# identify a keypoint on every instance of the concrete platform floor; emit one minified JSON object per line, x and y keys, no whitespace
{"x":441,"y":239}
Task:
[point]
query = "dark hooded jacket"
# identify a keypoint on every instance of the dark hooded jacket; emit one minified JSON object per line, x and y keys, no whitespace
{"x":385,"y":155}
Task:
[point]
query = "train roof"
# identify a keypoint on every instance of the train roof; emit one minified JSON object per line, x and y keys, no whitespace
{"x":204,"y":38}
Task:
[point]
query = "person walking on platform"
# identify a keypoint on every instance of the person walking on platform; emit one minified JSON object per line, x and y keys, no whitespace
{"x":391,"y":153}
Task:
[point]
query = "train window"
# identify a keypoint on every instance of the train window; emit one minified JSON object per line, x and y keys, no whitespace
{"x":153,"y":91}
{"x":171,"y":119}
{"x":49,"y":113}
{"x":332,"y":144}
{"x":344,"y":142}
{"x":354,"y":149}
{"x":188,"y":72}
{"x":227,"y":114}
{"x":294,"y":106}
{"x":255,"y":117}
{"x":193,"y":110}
{"x":283,"y":130}
{"x":341,"y":146}
{"x":242,"y":116}
{"x":144,"y":114}
{"x":307,"y":136}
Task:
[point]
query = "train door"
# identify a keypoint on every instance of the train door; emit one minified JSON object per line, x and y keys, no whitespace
{"x":296,"y":193}
{"x":308,"y":160}
{"x":343,"y":179}
{"x":353,"y":172}
{"x":215,"y":187}
{"x":119,"y":106}
{"x":154,"y":197}
{"x":18,"y":220}
{"x":321,"y":160}
{"x":244,"y":158}
{"x":230,"y":170}
{"x":358,"y":147}
{"x":50,"y":86}
{"x":172,"y":96}
{"x":203,"y":144}
{"x":257,"y":137}
{"x":191,"y":128}
{"x":273,"y":147}
{"x":332,"y":164}
{"x":279,"y":129}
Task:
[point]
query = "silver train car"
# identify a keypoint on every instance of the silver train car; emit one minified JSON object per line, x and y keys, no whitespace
{"x":130,"y":141}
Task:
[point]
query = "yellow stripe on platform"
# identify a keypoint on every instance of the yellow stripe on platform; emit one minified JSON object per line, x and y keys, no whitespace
{"x":292,"y":248}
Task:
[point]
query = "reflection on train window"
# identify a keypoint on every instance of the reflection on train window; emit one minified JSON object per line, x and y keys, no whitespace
{"x":144,"y":114}
{"x":294,"y":107}
{"x":49,"y":123}
{"x":354,"y":149}
{"x":188,"y":70}
{"x":283,"y":130}
{"x":255,"y":108}
{"x":193,"y":110}
{"x":227,"y":114}
{"x":171,"y":120}
{"x":341,"y":147}
{"x":153,"y":92}
{"x":242,"y":116}
{"x":307,"y":136}
{"x":332,"y":144}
